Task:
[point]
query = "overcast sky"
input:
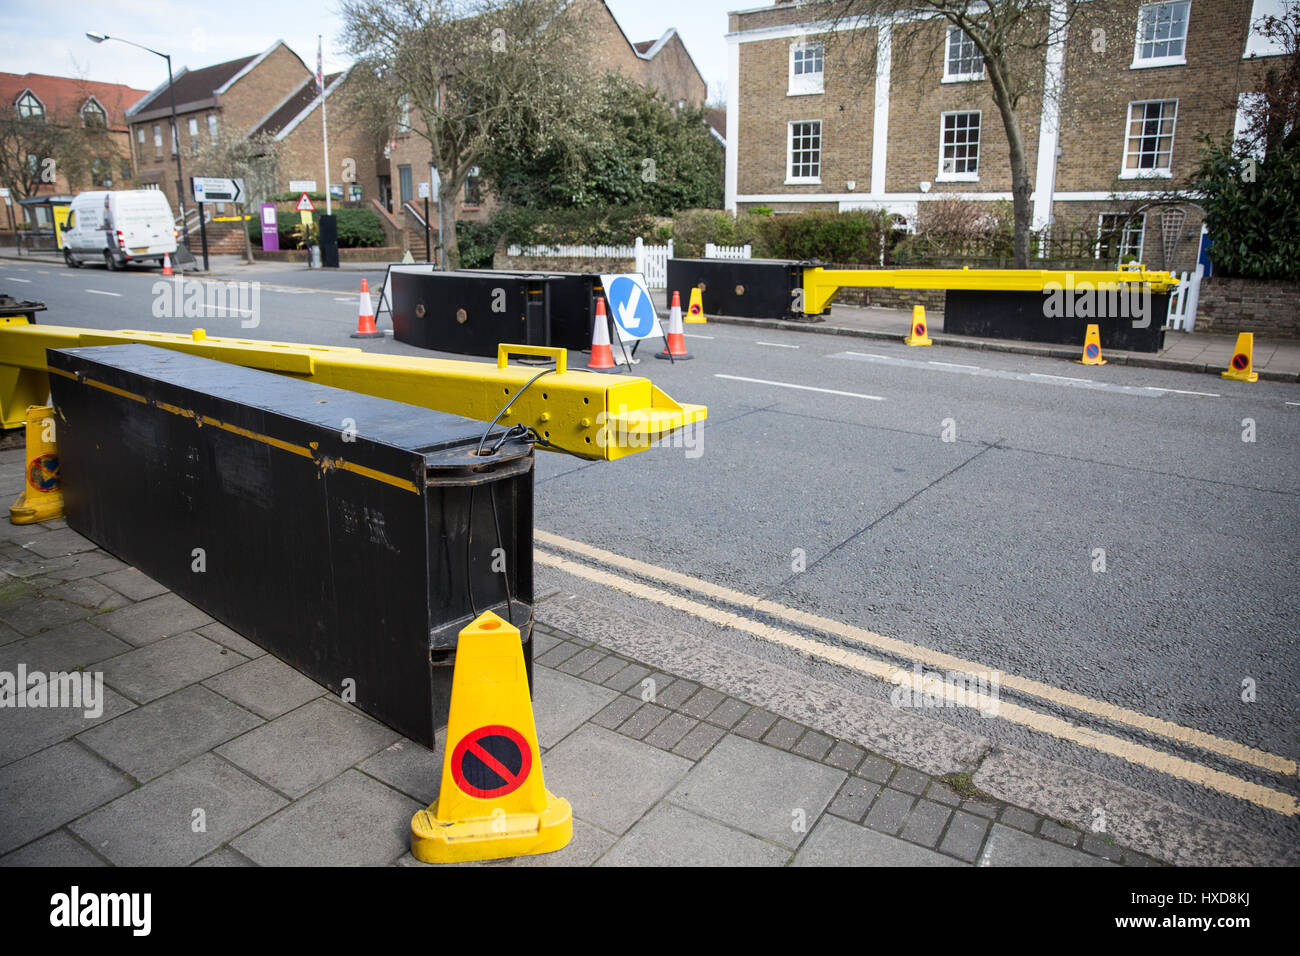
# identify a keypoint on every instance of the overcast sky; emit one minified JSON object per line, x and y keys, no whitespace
{"x":48,"y":36}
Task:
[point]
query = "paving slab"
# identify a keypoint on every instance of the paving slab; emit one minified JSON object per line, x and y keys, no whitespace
{"x":64,"y":541}
{"x":758,"y":789}
{"x":671,"y":836}
{"x":836,"y":842}
{"x":32,"y":613}
{"x":42,"y":792}
{"x":224,"y":857}
{"x":154,"y":619}
{"x":228,"y":638}
{"x":266,"y":686}
{"x":409,"y":767}
{"x":1008,"y":847}
{"x":353,"y":820}
{"x":308,"y":746}
{"x":157,"y":737}
{"x":59,"y":848}
{"x":561,"y":703}
{"x":25,"y":730}
{"x":76,"y":644}
{"x":84,"y":592}
{"x":179,"y":817}
{"x":156,"y":670}
{"x":611,"y":780}
{"x":132,"y":583}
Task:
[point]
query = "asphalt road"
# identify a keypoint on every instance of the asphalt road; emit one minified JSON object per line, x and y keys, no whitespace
{"x":984,"y":546}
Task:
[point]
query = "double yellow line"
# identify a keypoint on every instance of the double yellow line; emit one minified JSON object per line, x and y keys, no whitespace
{"x":1138,"y":754}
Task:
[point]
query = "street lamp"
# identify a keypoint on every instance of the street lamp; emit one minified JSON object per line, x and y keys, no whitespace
{"x":176,"y":136}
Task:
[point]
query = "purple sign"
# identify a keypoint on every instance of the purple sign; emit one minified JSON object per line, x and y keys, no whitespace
{"x":270,"y":229}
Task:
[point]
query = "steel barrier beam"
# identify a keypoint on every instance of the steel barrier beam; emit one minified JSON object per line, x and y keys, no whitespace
{"x":591,"y":416}
{"x":820,"y":285}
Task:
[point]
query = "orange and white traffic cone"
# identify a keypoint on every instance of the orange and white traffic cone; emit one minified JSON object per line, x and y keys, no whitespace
{"x":167,"y":264}
{"x":676,"y":349}
{"x":602,"y":356}
{"x":366,"y":316}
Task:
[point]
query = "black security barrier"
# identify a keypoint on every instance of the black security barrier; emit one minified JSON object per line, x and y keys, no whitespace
{"x":351,"y":536}
{"x":470,"y":312}
{"x":1130,"y":319}
{"x":748,"y":288}
{"x":329,"y":242}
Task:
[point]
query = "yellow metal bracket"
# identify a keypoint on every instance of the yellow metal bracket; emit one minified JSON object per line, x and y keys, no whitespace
{"x":820,"y":285}
{"x":581,"y":413}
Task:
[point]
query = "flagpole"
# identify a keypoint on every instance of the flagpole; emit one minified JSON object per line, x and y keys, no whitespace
{"x":324,"y":127}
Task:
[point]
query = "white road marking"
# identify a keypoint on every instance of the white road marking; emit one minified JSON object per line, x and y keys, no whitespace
{"x":802,"y":388}
{"x":951,"y":364}
{"x":12,"y":279}
{"x":1183,"y":391}
{"x":777,"y":345}
{"x":117,"y":295}
{"x":1293,"y":403}
{"x":1061,"y":378}
{"x":337,"y":299}
{"x":696,"y":335}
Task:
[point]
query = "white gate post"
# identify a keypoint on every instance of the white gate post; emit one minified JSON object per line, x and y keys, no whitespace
{"x":1193,"y":297}
{"x":710,"y":250}
{"x":640,"y":255}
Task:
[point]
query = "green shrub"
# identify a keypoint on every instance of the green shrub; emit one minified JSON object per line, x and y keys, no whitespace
{"x":358,"y":229}
{"x":842,"y":238}
{"x":611,"y":225}
{"x":477,"y":242}
{"x":1251,"y":211}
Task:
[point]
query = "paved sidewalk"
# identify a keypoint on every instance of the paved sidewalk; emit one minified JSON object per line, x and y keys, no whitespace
{"x":198,"y":723}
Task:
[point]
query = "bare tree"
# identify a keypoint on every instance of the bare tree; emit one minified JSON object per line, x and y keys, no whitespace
{"x":462,"y":74}
{"x":36,"y":149}
{"x":255,"y":160}
{"x":1012,"y":37}
{"x":1273,"y":115}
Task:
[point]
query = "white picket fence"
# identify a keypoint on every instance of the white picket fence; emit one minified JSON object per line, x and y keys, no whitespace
{"x":574,"y":252}
{"x":1183,"y":301}
{"x":652,"y":263}
{"x":727,"y":252}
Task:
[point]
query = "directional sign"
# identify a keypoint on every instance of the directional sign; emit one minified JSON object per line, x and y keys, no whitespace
{"x":305,"y":204}
{"x":491,"y":762}
{"x":631,"y":306}
{"x":207,"y":189}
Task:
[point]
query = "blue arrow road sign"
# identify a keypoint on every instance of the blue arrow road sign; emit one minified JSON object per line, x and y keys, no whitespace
{"x":631,"y":305}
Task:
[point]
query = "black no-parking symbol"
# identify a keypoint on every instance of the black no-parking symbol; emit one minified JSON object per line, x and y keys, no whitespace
{"x":491,"y":762}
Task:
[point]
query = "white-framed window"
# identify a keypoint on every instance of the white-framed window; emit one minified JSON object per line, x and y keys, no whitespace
{"x":157,"y":137}
{"x":29,"y":107}
{"x":959,"y":147}
{"x":212,"y":127}
{"x":807,"y":68}
{"x":962,"y":59}
{"x":1162,"y":34}
{"x":1256,"y":43}
{"x":1119,"y":236}
{"x":139,"y":135}
{"x":473,"y":187}
{"x":1149,"y":144}
{"x":194,"y":129}
{"x":176,"y":143}
{"x":804,"y":153}
{"x":92,"y":114}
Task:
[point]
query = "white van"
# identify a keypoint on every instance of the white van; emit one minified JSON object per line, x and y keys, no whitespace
{"x":117,"y":227}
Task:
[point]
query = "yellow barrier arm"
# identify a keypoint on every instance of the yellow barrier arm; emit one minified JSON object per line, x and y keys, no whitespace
{"x":820,"y":285}
{"x":590,"y":416}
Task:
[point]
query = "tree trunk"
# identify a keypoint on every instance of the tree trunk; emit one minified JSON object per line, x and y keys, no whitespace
{"x":1021,"y":186}
{"x":447,"y":224}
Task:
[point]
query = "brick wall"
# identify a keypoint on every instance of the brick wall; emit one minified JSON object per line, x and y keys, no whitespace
{"x":302,"y":155}
{"x":1269,"y":308}
{"x":255,"y":94}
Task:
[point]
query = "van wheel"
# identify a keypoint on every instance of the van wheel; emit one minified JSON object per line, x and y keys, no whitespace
{"x":71,"y":260}
{"x":109,"y":261}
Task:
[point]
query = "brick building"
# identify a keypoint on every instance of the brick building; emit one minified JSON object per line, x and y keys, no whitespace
{"x":65,"y":99}
{"x":225,"y":100}
{"x":804,"y":133}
